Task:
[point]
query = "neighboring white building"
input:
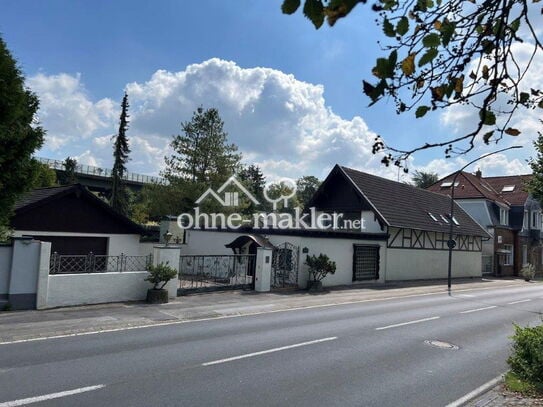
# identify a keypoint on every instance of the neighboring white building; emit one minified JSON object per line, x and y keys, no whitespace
{"x":404,"y":237}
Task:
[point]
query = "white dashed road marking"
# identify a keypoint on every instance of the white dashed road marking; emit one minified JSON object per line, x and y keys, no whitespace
{"x":469,"y":311}
{"x":406,"y":323}
{"x":51,"y":396}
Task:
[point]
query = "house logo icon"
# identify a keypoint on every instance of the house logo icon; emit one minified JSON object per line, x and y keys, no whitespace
{"x":230,"y":198}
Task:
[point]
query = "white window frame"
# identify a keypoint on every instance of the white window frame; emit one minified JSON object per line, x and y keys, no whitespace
{"x":508,"y":258}
{"x":536,"y":220}
{"x":504,"y":216}
{"x":526,"y":220}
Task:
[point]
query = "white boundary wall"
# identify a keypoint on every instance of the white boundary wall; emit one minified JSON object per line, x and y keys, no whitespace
{"x":62,"y":290}
{"x":94,"y":288}
{"x":340,"y":250}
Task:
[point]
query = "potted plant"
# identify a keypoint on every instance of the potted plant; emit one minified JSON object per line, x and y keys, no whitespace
{"x":319,"y":267}
{"x":159,"y":276}
{"x":528,"y":272}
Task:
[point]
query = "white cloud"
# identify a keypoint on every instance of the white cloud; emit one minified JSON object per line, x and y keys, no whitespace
{"x":278,"y":122}
{"x":66,"y":111}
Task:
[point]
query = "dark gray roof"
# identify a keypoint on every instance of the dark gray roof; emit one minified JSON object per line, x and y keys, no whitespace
{"x":40,"y":194}
{"x":406,"y":206}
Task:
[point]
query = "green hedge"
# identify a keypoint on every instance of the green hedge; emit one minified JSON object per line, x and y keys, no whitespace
{"x":526,"y":360}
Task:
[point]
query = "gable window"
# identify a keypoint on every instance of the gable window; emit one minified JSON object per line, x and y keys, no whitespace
{"x":504,"y":216}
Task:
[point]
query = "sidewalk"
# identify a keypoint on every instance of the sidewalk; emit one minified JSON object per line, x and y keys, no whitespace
{"x":28,"y":325}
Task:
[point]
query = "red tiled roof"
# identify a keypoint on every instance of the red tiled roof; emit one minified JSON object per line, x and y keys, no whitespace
{"x":518,"y":195}
{"x":472,"y":187}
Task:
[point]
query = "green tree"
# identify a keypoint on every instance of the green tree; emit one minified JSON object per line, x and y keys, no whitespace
{"x":20,"y":135}
{"x":424,"y":179}
{"x":255,"y":181}
{"x":438,"y":54}
{"x":68,"y":175}
{"x":535,"y":184}
{"x":43,"y":175}
{"x":306,"y":187}
{"x":202,"y":153}
{"x":119,"y":196}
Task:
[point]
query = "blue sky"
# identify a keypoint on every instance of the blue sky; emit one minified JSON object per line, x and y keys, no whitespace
{"x":290,"y":95}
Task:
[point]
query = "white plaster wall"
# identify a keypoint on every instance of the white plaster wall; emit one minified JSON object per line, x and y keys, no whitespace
{"x":371,"y":225}
{"x":340,"y":251}
{"x":126,"y":244}
{"x":117,"y":243}
{"x":408,"y":264}
{"x":146,"y":248}
{"x":78,"y":289}
{"x":208,"y":242}
{"x":5,"y":268}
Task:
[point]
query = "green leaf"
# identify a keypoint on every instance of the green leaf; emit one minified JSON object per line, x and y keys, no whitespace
{"x":392,"y":59}
{"x":290,"y":6}
{"x":421,"y":111}
{"x":431,"y":40}
{"x":383,"y":69}
{"x":488,"y":136}
{"x":428,"y":56}
{"x":488,"y":118}
{"x":540,"y":105}
{"x":388,"y":28}
{"x":524,"y":97}
{"x":314,"y":10}
{"x":403,"y":26}
{"x":515,"y":25}
{"x":447,"y":31}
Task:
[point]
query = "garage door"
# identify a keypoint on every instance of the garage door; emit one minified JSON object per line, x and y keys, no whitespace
{"x":365,"y":263}
{"x":75,"y":245}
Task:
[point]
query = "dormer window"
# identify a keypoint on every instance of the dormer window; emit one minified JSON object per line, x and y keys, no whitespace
{"x":432,"y":216}
{"x":508,"y":188}
{"x":444,"y":219}
{"x":455,"y":221}
{"x":448,"y":184}
{"x":504,"y":216}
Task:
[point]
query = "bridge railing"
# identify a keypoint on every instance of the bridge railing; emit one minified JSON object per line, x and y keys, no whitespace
{"x":102,"y":172}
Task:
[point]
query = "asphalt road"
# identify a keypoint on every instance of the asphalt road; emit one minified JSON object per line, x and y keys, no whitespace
{"x":365,"y":354}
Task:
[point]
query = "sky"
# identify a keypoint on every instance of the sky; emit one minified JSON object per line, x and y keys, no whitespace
{"x":290,"y":96}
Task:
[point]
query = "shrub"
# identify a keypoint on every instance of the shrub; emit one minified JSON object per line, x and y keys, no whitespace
{"x":320,"y":267}
{"x":161,"y":273}
{"x":528,"y":271}
{"x":526,"y":360}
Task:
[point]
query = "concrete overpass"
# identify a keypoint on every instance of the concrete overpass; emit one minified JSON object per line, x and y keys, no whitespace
{"x":99,"y":179}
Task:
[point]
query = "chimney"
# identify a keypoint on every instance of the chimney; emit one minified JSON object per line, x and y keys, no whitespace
{"x":478,"y":173}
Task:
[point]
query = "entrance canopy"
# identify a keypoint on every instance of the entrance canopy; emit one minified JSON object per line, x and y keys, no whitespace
{"x":254,"y":239}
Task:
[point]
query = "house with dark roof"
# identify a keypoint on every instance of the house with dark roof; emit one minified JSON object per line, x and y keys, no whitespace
{"x":76,"y":222}
{"x":502,"y":206}
{"x":390,"y":231}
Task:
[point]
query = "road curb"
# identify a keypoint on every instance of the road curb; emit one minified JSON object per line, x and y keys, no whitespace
{"x":479,"y":391}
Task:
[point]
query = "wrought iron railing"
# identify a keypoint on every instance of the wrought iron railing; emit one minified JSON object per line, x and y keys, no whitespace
{"x":102,"y":172}
{"x":199,"y":272}
{"x":91,"y":263}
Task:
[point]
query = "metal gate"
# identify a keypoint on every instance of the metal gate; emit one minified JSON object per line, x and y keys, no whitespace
{"x":285,"y":260}
{"x":216,"y":272}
